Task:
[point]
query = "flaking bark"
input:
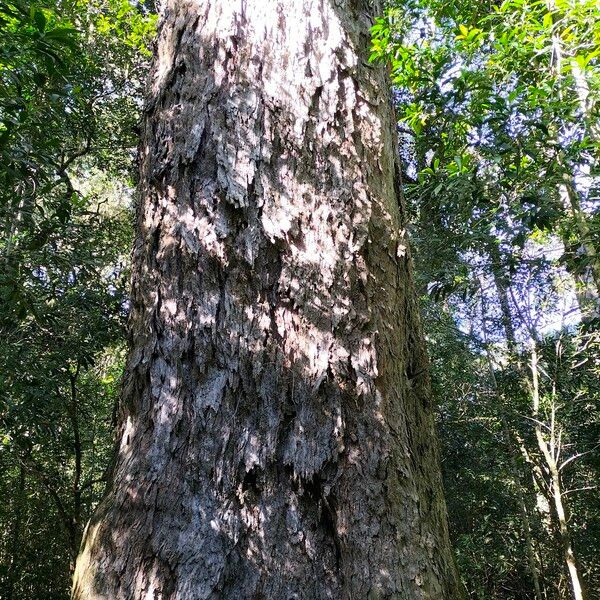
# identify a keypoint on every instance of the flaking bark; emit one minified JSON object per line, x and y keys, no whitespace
{"x":276,"y":436}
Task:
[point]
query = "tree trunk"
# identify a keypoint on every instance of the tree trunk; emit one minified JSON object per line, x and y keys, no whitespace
{"x":276,"y":436}
{"x":14,"y":553}
{"x":501,"y":286}
{"x":502,"y":283}
{"x":549,"y":452}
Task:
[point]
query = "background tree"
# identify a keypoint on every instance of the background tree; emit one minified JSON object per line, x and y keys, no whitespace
{"x":500,"y":105}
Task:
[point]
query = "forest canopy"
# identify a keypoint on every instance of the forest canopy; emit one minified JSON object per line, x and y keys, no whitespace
{"x":498,"y":119}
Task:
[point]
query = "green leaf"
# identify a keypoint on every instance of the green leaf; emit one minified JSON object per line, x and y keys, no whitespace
{"x":39,"y":18}
{"x":66,"y":35}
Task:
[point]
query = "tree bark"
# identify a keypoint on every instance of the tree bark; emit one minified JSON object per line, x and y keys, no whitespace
{"x":501,"y":286}
{"x":14,"y":553}
{"x":549,"y":451}
{"x":276,"y":435}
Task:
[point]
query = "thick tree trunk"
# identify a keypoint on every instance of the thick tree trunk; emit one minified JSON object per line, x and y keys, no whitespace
{"x":276,"y":436}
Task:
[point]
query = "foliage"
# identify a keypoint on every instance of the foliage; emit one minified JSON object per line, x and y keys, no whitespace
{"x":498,"y":110}
{"x":502,"y":109}
{"x":71,"y":75}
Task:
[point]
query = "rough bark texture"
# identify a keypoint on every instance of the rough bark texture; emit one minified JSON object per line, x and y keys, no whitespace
{"x":276,"y":432}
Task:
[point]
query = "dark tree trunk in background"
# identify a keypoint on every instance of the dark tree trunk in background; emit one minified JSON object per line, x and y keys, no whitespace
{"x":14,"y":553}
{"x":276,"y":435}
